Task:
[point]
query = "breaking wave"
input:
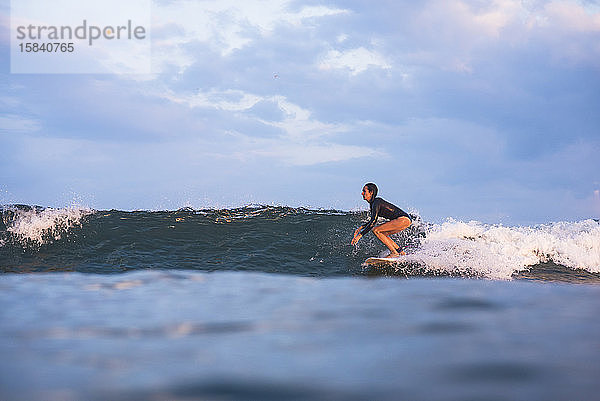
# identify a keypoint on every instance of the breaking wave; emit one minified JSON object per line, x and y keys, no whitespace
{"x":34,"y":226}
{"x":496,"y":251}
{"x":277,"y":239}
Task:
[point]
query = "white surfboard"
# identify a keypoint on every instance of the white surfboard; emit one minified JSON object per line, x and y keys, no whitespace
{"x":383,"y":261}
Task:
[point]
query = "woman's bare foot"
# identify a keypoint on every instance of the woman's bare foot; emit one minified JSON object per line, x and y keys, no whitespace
{"x":397,"y":253}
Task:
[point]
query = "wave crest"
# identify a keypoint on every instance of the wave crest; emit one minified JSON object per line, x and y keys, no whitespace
{"x":498,"y":252}
{"x":35,"y":226}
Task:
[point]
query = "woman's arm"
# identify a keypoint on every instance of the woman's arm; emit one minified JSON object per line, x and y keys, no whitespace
{"x":374,"y":215}
{"x":362,"y":230}
{"x":357,"y":236}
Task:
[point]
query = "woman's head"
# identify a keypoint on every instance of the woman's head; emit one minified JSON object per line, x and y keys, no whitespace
{"x":369,"y":192}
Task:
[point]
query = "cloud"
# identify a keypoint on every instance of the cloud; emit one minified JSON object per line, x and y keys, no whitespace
{"x":230,"y":100}
{"x":570,"y":31}
{"x":289,"y":151}
{"x":12,"y":123}
{"x":298,"y":123}
{"x":457,"y":35}
{"x":354,"y":60}
{"x":465,"y":108}
{"x":302,"y":139}
{"x":456,"y":18}
{"x":225,"y":25}
{"x":567,"y":16}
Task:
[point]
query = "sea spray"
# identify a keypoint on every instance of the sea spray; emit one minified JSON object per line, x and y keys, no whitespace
{"x":35,"y":226}
{"x":498,"y":252}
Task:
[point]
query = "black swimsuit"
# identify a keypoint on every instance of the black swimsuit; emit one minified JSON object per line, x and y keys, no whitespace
{"x":383,"y":208}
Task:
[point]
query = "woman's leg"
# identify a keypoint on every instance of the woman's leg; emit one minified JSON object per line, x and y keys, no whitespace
{"x":384,"y":231}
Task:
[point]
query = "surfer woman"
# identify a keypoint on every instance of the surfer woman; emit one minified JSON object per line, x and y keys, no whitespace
{"x":399,"y":220}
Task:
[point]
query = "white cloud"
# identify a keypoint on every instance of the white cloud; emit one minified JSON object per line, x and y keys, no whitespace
{"x":341,"y":38}
{"x":9,"y":101}
{"x":452,"y":34}
{"x":455,"y":20}
{"x":355,"y":60}
{"x":569,"y":30}
{"x":300,"y":17}
{"x":291,"y":151}
{"x":18,"y":124}
{"x":303,"y":139}
{"x":54,"y":151}
{"x":231,"y":100}
{"x":306,"y":155}
{"x":225,"y":25}
{"x":569,"y":16}
{"x":298,"y":123}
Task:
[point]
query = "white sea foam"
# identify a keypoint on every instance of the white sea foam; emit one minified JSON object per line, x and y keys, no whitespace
{"x":496,"y":251}
{"x":37,"y":226}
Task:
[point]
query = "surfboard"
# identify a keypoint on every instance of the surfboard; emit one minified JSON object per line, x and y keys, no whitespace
{"x":383,"y":261}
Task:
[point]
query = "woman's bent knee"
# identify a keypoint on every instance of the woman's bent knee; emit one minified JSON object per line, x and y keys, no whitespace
{"x":405,"y":221}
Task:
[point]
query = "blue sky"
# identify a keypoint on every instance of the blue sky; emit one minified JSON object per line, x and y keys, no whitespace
{"x":485,"y":110}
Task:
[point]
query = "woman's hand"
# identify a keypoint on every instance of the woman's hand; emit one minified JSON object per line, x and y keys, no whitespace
{"x":357,"y":236}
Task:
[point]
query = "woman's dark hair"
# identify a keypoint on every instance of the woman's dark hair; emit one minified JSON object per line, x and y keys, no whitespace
{"x":372,"y":188}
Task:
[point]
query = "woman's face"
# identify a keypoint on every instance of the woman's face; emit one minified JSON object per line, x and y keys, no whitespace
{"x":366,"y":194}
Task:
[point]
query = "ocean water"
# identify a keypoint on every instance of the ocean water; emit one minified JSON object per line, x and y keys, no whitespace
{"x":273,"y":303}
